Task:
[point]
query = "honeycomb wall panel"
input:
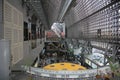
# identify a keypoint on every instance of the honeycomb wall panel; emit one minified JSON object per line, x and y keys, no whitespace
{"x":13,"y":30}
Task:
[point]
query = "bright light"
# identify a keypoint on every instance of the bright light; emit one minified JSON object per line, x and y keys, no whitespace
{"x":119,"y":11}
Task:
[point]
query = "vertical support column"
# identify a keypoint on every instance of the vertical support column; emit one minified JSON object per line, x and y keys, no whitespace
{"x":106,"y":54}
{"x":114,"y":51}
{"x":4,"y":59}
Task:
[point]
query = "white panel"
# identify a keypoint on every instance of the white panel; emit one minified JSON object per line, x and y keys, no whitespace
{"x":8,"y":13}
{"x":7,"y":33}
{"x":15,"y":36}
{"x":14,"y":54}
{"x":20,"y":20}
{"x":13,"y":30}
{"x":15,"y":18}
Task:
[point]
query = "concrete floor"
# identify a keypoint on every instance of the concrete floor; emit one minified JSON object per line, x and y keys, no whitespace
{"x":25,"y":76}
{"x":19,"y":76}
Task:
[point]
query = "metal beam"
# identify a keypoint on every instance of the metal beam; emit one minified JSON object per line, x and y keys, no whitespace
{"x":64,"y":9}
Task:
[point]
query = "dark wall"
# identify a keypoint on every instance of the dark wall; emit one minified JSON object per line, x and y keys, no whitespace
{"x":1,"y":19}
{"x":17,"y":4}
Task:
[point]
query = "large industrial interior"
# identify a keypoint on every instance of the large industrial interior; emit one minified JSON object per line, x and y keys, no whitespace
{"x":59,"y":39}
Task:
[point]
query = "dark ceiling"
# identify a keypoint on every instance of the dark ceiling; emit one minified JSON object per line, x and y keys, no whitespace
{"x":51,"y":10}
{"x":47,"y":10}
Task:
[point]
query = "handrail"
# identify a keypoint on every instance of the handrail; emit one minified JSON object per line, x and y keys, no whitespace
{"x":66,"y":74}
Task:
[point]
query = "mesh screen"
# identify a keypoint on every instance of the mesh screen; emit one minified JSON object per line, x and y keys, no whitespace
{"x":94,"y":20}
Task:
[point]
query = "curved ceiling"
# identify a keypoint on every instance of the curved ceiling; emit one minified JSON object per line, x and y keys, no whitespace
{"x":51,"y":9}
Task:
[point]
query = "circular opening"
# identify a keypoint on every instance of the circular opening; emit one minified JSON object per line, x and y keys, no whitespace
{"x":52,"y":66}
{"x":61,"y":64}
{"x":73,"y":65}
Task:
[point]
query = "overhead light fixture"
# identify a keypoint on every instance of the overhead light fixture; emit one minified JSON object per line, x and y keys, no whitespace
{"x":59,"y":29}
